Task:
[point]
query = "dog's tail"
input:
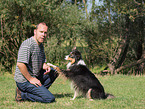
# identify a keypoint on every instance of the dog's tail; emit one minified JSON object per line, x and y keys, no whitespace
{"x":109,"y":96}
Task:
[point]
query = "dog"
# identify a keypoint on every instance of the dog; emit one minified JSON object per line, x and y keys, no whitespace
{"x":84,"y":81}
{"x":75,"y":58}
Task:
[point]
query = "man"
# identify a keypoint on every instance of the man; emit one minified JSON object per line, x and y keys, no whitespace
{"x":33,"y":76}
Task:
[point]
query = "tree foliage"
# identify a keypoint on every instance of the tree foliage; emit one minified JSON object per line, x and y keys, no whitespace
{"x":123,"y":21}
{"x":112,"y":34}
{"x":18,"y":19}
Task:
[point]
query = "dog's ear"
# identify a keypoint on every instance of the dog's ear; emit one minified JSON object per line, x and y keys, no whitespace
{"x":78,"y":57}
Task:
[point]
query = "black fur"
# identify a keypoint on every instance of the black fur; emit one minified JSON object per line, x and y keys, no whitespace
{"x":75,"y":54}
{"x":84,"y":80}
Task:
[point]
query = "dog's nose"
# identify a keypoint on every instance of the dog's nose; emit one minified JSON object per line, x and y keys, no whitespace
{"x":66,"y":57}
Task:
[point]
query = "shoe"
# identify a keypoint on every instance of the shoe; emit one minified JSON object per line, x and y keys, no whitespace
{"x":18,"y":97}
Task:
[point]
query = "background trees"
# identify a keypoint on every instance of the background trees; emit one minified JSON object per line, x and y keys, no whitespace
{"x":110,"y":35}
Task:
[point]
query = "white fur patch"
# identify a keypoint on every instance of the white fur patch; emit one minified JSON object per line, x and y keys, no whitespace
{"x":80,"y":62}
{"x":68,"y":65}
{"x":66,"y":57}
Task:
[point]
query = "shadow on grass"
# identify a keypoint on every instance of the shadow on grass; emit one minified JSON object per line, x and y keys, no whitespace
{"x":62,"y":95}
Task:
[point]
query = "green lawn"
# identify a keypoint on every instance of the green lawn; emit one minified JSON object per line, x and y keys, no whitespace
{"x":128,"y":90}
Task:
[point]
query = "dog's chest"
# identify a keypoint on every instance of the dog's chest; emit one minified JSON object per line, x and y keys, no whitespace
{"x":80,"y":62}
{"x":68,"y":65}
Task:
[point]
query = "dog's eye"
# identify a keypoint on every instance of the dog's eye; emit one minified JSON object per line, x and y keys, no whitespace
{"x":70,"y":55}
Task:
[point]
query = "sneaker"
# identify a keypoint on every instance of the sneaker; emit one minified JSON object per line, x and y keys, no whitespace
{"x":18,"y":97}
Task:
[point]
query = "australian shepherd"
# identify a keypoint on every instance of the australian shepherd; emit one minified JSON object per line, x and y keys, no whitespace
{"x":83,"y":80}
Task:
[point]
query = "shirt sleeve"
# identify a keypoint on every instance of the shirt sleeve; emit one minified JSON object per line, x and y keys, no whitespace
{"x":44,"y":57}
{"x":24,"y":54}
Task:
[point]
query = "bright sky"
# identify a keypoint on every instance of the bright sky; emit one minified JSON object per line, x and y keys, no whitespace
{"x":89,"y":4}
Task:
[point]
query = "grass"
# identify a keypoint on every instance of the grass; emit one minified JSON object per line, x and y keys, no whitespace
{"x":128,"y":90}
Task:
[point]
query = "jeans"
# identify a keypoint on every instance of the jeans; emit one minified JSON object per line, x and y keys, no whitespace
{"x":38,"y":94}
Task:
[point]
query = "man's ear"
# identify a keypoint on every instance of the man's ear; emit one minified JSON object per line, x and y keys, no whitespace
{"x":34,"y":32}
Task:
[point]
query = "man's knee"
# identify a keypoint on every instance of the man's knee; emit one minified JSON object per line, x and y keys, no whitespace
{"x":46,"y":95}
{"x":49,"y":99}
{"x":52,"y":99}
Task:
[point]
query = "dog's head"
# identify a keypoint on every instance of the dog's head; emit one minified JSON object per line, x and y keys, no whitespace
{"x":74,"y":56}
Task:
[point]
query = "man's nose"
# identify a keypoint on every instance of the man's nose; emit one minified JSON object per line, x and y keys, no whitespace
{"x":43,"y":33}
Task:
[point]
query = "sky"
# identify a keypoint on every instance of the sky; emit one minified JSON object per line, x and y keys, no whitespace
{"x":89,"y":4}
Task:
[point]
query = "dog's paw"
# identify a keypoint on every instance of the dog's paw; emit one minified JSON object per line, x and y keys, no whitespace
{"x":72,"y":98}
{"x":91,"y":100}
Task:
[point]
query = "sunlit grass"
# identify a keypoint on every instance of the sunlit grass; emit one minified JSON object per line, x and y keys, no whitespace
{"x":128,"y":90}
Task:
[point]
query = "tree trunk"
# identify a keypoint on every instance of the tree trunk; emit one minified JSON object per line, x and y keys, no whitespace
{"x":143,"y":57}
{"x":86,"y":9}
{"x":140,"y":61}
{"x":122,"y":50}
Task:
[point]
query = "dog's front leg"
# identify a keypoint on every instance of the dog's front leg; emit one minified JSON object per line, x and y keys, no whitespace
{"x":75,"y":95}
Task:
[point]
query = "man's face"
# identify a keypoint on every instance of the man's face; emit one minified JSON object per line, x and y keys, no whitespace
{"x":40,"y":33}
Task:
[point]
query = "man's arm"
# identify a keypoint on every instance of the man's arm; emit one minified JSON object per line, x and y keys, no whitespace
{"x":23,"y":69}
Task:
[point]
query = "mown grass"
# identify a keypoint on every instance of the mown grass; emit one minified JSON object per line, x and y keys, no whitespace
{"x":128,"y":90}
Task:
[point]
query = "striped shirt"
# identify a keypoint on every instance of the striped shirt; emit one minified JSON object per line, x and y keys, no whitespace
{"x":33,"y":56}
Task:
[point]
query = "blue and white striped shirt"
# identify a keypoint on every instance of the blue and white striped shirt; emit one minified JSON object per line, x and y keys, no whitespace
{"x":33,"y":56}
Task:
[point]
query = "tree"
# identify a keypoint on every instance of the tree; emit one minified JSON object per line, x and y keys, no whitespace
{"x":18,"y":19}
{"x":134,"y":33}
{"x":112,"y":34}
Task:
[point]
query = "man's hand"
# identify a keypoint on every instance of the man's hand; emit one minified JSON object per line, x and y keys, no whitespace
{"x":35,"y":82}
{"x":47,"y":68}
{"x":27,"y":75}
{"x":47,"y":71}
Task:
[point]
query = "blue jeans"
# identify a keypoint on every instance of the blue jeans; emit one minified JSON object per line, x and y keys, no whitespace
{"x":38,"y":94}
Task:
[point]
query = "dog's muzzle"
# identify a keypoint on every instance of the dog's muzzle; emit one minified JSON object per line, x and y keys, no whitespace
{"x":66,"y":57}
